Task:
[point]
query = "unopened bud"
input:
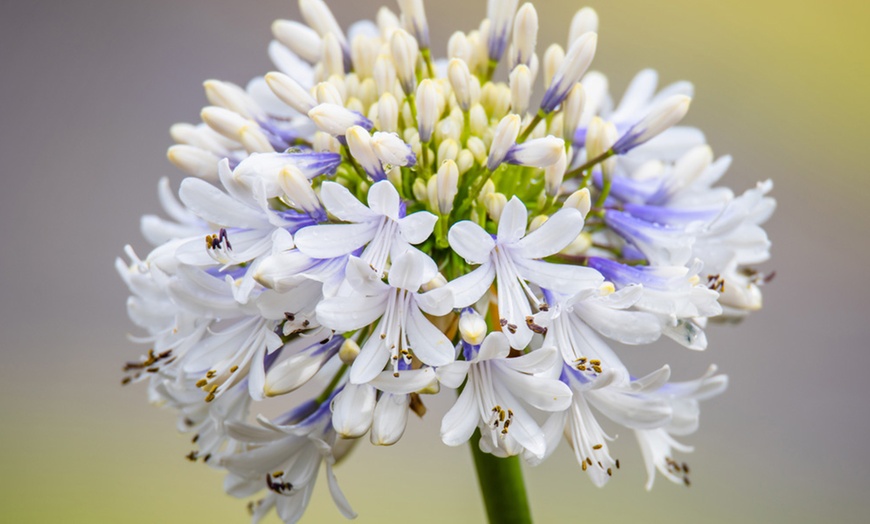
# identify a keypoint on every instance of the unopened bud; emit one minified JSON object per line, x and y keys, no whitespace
{"x":575,"y":64}
{"x":500,"y":14}
{"x":426,"y":101}
{"x":391,"y":150}
{"x":539,"y":152}
{"x":494,"y":203}
{"x":298,"y":190}
{"x":521,"y":89}
{"x":405,"y":52}
{"x":318,"y":16}
{"x":348,"y":352}
{"x":458,"y":47}
{"x":554,"y":174}
{"x":448,"y":186}
{"x":572,"y":110}
{"x":525,"y":34}
{"x":662,"y":117}
{"x":328,"y":93}
{"x":388,"y":113}
{"x":290,"y":92}
{"x":505,"y":137}
{"x":460,"y":81}
{"x":580,"y":200}
{"x":360,"y":144}
{"x":553,"y":58}
{"x":232,"y":97}
{"x":472,"y":327}
{"x":299,"y":38}
{"x":195,"y":161}
{"x":336,"y":120}
{"x":384,"y":73}
{"x":584,"y":21}
{"x":414,"y":18}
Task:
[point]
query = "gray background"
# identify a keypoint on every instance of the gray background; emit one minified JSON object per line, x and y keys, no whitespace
{"x":88,"y":90}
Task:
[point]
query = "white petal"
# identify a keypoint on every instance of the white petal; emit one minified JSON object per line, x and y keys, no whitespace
{"x":513,"y":221}
{"x":452,"y":375}
{"x":557,"y":232}
{"x":538,"y":361}
{"x":416,"y":227}
{"x":459,"y":422}
{"x":495,"y":346}
{"x":408,"y":381}
{"x":363,"y":279}
{"x":428,"y":342}
{"x":438,"y":301}
{"x":407,"y":271}
{"x":384,"y":199}
{"x":350,"y":313}
{"x":334,"y":240}
{"x":471,"y":242}
{"x":370,"y":362}
{"x":343,"y":205}
{"x":543,"y":393}
{"x":563,"y":278}
{"x":211,"y":204}
{"x":468,"y":288}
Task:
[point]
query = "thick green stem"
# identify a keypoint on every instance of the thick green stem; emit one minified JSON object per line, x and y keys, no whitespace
{"x":502,"y":487}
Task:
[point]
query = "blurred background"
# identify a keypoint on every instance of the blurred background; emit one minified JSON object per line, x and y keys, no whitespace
{"x":88,"y":90}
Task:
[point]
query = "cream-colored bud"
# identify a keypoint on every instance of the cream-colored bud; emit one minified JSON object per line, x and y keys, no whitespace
{"x":584,"y":21}
{"x":355,"y":104}
{"x":458,"y":47}
{"x":521,"y":88}
{"x":487,"y":189}
{"x":387,"y":22}
{"x":388,"y":113}
{"x":328,"y":93}
{"x":525,"y":34}
{"x":202,"y":137}
{"x":414,"y":20}
{"x":363,"y":53}
{"x":359,"y":142}
{"x":477,"y":148}
{"x":572,"y":110}
{"x":494,"y":203}
{"x":394,"y":175}
{"x":432,"y":193}
{"x":318,"y":16}
{"x":427,"y":104}
{"x":367,"y":92}
{"x":405,"y":53}
{"x":554,"y":174}
{"x":448,"y":186}
{"x":464,"y":161}
{"x":579,"y":246}
{"x":478,"y":120}
{"x":290,"y":92}
{"x":580,"y":200}
{"x":299,"y":38}
{"x":448,"y":150}
{"x":298,"y":191}
{"x":232,"y":97}
{"x":384,"y":73}
{"x":537,"y":222}
{"x":349,"y":351}
{"x":553,"y":57}
{"x":333,"y":56}
{"x":421,"y":192}
{"x":460,"y":80}
{"x":472,"y":327}
{"x":195,"y":161}
{"x":324,"y":142}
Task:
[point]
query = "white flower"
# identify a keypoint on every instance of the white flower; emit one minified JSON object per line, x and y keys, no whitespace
{"x":498,"y":395}
{"x":402,"y":331}
{"x":513,"y":258}
{"x":381,"y":226}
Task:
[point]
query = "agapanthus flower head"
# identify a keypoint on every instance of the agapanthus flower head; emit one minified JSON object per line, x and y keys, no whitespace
{"x":375,"y":223}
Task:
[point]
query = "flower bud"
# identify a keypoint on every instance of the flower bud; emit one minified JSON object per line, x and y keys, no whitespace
{"x":352,"y":410}
{"x":584,"y":21}
{"x":328,"y":93}
{"x":202,"y":137}
{"x":387,"y":22}
{"x":359,"y":143}
{"x":426,"y":101}
{"x":290,"y":92}
{"x":554,"y":174}
{"x":580,"y":200}
{"x":390,"y":419}
{"x":333,"y":56}
{"x":460,"y":80}
{"x":478,"y":121}
{"x":388,"y":113}
{"x":394,"y":175}
{"x":298,"y":190}
{"x":405,"y":52}
{"x":572,"y":110}
{"x":391,"y":150}
{"x":421,"y":191}
{"x":458,"y":47}
{"x":298,"y":38}
{"x":464,"y":161}
{"x":553,"y":58}
{"x":572,"y":68}
{"x":349,"y":351}
{"x":336,"y":120}
{"x":494,"y":204}
{"x":325,"y":142}
{"x":477,"y":148}
{"x":537,"y":222}
{"x":500,"y":14}
{"x":195,"y":161}
{"x":505,"y":137}
{"x":384,"y":74}
{"x":539,"y":152}
{"x":448,"y":149}
{"x":662,"y":117}
{"x":447,"y":186}
{"x":232,"y":97}
{"x":363,"y":53}
{"x":472,"y":327}
{"x":525,"y":34}
{"x":521,"y":89}
{"x":318,"y":16}
{"x":414,"y":20}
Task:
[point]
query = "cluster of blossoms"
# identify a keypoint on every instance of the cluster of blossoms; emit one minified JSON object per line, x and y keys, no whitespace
{"x":369,"y":225}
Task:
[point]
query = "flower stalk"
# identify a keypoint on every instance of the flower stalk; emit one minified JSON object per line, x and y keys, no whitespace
{"x":501,"y":485}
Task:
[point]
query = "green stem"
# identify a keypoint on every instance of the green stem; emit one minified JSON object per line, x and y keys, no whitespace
{"x":600,"y":158}
{"x":531,"y":127}
{"x":502,"y":487}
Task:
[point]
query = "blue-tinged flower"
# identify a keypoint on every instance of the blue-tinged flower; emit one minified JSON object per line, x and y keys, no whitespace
{"x":498,"y":396}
